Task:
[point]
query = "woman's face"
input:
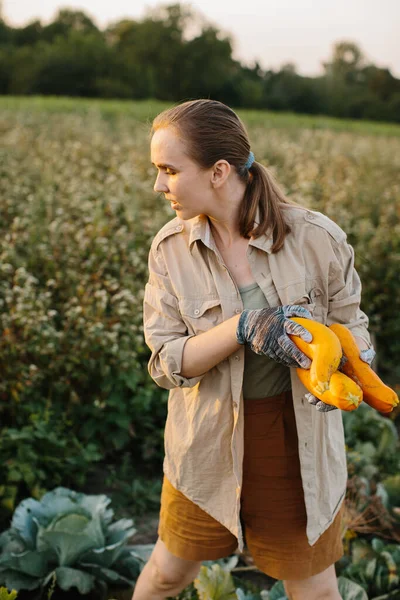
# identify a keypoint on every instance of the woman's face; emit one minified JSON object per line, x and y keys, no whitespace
{"x":179,"y":178}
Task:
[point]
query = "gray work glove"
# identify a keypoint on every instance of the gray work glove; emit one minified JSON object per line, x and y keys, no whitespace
{"x":266,"y":331}
{"x":367,"y":356}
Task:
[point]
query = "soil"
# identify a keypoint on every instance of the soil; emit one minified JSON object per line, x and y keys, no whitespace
{"x":146,"y":526}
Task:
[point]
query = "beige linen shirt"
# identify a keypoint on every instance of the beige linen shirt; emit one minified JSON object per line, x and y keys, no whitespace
{"x":189,"y":291}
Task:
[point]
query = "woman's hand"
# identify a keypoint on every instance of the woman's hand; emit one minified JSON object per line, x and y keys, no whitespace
{"x":266,"y":331}
{"x":366,"y":355}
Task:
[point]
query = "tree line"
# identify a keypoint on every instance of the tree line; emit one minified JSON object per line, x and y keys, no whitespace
{"x":174,"y":54}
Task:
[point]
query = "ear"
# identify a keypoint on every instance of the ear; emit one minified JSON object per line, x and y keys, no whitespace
{"x":220,"y":173}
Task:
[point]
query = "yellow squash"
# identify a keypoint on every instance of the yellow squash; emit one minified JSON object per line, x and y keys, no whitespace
{"x":324,"y":350}
{"x":376,"y":393}
{"x":343,"y":392}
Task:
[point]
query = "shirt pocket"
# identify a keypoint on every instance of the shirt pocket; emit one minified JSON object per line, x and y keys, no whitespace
{"x":200,"y":314}
{"x":310,"y":297}
{"x":319,"y":299}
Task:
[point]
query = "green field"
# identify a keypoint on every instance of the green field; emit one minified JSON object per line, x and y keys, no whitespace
{"x":144,"y":110}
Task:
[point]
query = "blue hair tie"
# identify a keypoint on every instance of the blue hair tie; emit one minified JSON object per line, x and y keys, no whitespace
{"x":250,"y":160}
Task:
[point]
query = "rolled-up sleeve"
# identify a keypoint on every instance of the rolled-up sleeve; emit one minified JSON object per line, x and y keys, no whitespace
{"x":345,"y":293}
{"x":165,"y":332}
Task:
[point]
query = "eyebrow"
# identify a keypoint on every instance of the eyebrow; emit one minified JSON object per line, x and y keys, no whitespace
{"x":165,"y":166}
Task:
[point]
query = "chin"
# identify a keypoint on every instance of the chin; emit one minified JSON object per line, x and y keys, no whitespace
{"x":186,"y":215}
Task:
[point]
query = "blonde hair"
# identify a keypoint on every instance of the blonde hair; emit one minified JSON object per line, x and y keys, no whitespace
{"x":212,"y":131}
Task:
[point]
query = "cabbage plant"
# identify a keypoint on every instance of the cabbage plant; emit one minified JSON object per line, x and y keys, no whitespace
{"x":67,"y":538}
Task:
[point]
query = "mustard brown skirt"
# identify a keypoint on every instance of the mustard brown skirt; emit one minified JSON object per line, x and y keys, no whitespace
{"x":273,"y":513}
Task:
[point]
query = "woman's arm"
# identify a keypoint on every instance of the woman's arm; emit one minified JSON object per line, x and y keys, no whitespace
{"x":345,"y":295}
{"x":361,"y":343}
{"x":265,"y":330}
{"x":202,"y":352}
{"x":178,"y":359}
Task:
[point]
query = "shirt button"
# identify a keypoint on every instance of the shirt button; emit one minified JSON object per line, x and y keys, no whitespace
{"x":178,"y":228}
{"x":310,"y":216}
{"x":237,"y":357}
{"x":196,"y":312}
{"x":238,"y":310}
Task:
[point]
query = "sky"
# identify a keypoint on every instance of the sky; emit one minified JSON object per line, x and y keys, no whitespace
{"x":275,"y":32}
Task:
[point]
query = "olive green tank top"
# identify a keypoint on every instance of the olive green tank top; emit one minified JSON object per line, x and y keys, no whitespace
{"x":262,"y":376}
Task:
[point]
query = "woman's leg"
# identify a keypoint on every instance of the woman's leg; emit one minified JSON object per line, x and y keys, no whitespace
{"x":322,"y":586}
{"x":164,"y":575}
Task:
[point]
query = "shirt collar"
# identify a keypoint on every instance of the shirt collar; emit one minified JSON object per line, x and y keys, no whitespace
{"x":201,"y":230}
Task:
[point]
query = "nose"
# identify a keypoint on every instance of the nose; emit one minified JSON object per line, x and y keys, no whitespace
{"x":159,"y":185}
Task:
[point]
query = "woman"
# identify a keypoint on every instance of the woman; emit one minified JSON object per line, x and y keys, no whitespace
{"x":247,"y":459}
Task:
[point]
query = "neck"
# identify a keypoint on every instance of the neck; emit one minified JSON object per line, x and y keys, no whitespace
{"x":224,"y":221}
{"x":226,"y":233}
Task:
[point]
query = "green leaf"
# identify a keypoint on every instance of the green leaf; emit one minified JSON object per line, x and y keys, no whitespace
{"x":388,"y":439}
{"x":129,"y":566}
{"x":68,"y":578}
{"x":277,"y":592}
{"x":216,"y":583}
{"x":69,"y":546}
{"x":366,"y":449}
{"x":60,"y":501}
{"x":392,"y":487}
{"x":107,"y":575}
{"x":361,"y":550}
{"x":393,"y":578}
{"x":31,"y":563}
{"x":142,"y":551}
{"x":14,"y":580}
{"x":381,"y":582}
{"x":71,"y":523}
{"x":382,"y":493}
{"x":349,"y":590}
{"x":242,"y":595}
{"x":377,"y":545}
{"x":120,"y":530}
{"x":116,"y":538}
{"x":11,"y":542}
{"x":370,"y":569}
{"x":6,"y":595}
